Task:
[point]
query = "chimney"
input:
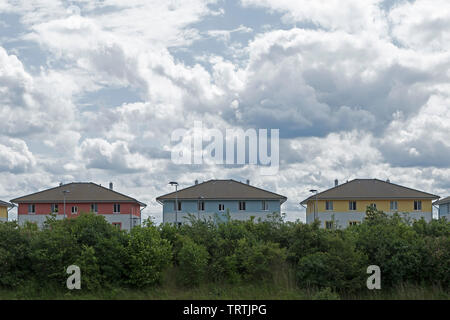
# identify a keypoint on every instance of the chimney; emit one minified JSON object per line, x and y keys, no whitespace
{"x":196,"y":182}
{"x":388,"y":181}
{"x":111,"y":185}
{"x":248,"y":181}
{"x":60,"y":184}
{"x":336,"y":182}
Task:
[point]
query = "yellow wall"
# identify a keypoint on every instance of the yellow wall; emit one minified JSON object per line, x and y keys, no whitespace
{"x":3,"y":212}
{"x":361,"y":205}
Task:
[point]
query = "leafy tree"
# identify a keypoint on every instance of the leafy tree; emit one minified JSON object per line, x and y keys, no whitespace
{"x":193,"y":262}
{"x":147,"y":255}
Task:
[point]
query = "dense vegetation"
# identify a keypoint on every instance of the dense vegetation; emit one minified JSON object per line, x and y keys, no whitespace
{"x":231,"y":254}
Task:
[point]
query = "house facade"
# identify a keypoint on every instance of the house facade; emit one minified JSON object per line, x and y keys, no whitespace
{"x":346,"y":204}
{"x":444,"y":208}
{"x":214,"y":199}
{"x":4,"y":206}
{"x":70,"y":200}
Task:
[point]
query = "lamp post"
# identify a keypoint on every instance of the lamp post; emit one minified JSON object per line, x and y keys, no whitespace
{"x":64,"y":193}
{"x":174,"y":183}
{"x":315,"y":206}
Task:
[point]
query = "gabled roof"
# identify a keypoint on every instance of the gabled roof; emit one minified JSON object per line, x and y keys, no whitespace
{"x":5,"y":204}
{"x":442,"y":201}
{"x":78,"y":192}
{"x":222,"y":190}
{"x":367,"y":189}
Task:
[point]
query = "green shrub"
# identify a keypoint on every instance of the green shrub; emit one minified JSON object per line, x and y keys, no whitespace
{"x":91,"y":278}
{"x":192,"y":262}
{"x":14,"y":255}
{"x":257,"y":260}
{"x":341,"y":267}
{"x":147,"y":255}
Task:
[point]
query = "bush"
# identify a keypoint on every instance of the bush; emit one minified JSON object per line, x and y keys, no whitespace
{"x":91,"y":279}
{"x":394,"y":246}
{"x":257,"y":260}
{"x":229,"y":252}
{"x":341,"y":267}
{"x":193,"y":262}
{"x":14,"y":255}
{"x":147,"y":255}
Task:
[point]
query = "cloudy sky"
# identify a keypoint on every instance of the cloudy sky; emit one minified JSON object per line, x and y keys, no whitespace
{"x":91,"y":90}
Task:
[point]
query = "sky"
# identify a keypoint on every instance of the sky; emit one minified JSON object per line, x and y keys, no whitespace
{"x":91,"y":90}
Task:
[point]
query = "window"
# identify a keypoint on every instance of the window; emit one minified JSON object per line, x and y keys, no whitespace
{"x":31,"y":208}
{"x":352,"y":205}
{"x":417,"y":205}
{"x":201,"y":205}
{"x":328,"y":224}
{"x":242,"y":205}
{"x":373,"y":205}
{"x":74,"y":209}
{"x":329,"y":205}
{"x":221,"y":207}
{"x":175,"y":207}
{"x":118,"y":225}
{"x":265,"y":205}
{"x":94,"y":207}
{"x":116,"y":207}
{"x":353,"y":223}
{"x":54,"y":208}
{"x":393,"y":206}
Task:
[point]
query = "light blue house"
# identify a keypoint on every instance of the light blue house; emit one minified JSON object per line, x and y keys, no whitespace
{"x":213,"y":199}
{"x":444,"y":208}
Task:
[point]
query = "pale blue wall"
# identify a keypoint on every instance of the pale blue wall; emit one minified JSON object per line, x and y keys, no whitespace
{"x":253,"y":208}
{"x":444,"y":211}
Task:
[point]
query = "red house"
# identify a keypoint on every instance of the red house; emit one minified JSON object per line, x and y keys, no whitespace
{"x":69,"y":200}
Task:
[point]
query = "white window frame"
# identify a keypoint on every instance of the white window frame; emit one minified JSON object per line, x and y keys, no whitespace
{"x":373,"y":205}
{"x":393,"y":208}
{"x":221,"y":205}
{"x":55,"y":206}
{"x":201,"y":205}
{"x":94,"y":207}
{"x":33,"y":208}
{"x":115,"y":206}
{"x":419,"y":205}
{"x":76,"y":209}
{"x":242,"y":206}
{"x":350,"y":207}
{"x":265,"y":205}
{"x":327,"y":207}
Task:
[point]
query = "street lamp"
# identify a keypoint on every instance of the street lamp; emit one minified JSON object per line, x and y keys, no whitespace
{"x":174,"y":183}
{"x":315,"y":206}
{"x":64,"y":193}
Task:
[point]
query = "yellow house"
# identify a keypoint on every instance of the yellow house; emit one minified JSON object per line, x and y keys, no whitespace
{"x":4,"y":206}
{"x":346,"y":204}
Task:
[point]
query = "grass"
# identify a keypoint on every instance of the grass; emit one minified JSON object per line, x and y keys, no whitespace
{"x":230,"y":292}
{"x":283,"y":287}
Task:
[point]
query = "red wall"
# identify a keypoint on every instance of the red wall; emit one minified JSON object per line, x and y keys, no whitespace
{"x":103,"y":208}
